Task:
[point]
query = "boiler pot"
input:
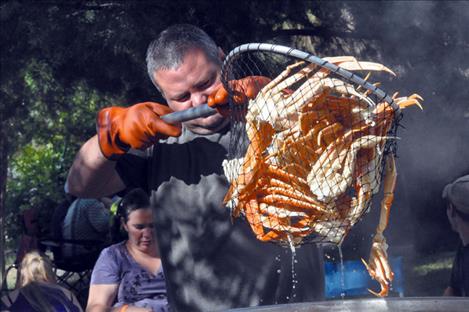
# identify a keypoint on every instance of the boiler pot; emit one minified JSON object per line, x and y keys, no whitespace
{"x":406,"y":304}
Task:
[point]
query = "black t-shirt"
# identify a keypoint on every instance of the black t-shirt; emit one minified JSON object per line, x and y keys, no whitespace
{"x":210,"y":261}
{"x":460,"y":272}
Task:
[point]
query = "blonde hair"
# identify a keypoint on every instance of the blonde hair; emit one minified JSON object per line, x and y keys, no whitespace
{"x":36,"y":267}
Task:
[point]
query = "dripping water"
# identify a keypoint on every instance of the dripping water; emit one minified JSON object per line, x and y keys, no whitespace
{"x":279,"y":271}
{"x":293,"y":271}
{"x":342,"y":272}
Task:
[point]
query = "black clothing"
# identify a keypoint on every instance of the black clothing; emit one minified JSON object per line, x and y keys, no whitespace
{"x":460,"y":272}
{"x":209,"y":262}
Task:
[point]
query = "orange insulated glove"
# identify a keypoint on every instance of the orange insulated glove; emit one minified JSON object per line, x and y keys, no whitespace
{"x":138,"y":126}
{"x":243,"y":90}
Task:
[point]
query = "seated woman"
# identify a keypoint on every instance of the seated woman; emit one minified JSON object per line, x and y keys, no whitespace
{"x":38,"y":291}
{"x":128,"y":275}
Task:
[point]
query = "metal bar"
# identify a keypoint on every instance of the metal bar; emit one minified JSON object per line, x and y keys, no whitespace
{"x":192,"y":113}
{"x":267,"y":47}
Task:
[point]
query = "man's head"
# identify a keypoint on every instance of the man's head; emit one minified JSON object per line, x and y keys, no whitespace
{"x":184,"y":63}
{"x":457,"y":196}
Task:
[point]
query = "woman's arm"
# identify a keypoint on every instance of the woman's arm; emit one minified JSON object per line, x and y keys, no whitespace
{"x":101,"y":297}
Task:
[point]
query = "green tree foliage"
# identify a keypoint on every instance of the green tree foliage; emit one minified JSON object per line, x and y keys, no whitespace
{"x":61,"y":61}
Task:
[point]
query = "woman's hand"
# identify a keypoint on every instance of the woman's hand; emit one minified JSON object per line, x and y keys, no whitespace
{"x":137,"y":309}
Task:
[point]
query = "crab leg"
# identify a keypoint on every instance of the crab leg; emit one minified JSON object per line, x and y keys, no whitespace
{"x":279,"y":187}
{"x":280,"y":228}
{"x":330,"y":183}
{"x":277,"y":84}
{"x":293,"y":204}
{"x":252,"y":214}
{"x":378,"y":266}
{"x":368,"y":66}
{"x":253,"y":165}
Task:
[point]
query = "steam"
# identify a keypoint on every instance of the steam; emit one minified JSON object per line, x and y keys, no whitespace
{"x":427,"y":44}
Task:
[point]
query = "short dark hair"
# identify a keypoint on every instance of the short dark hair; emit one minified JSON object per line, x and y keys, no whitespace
{"x":133,"y":200}
{"x":168,"y":50}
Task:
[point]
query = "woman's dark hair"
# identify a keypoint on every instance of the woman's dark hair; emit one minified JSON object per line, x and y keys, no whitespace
{"x":133,"y":200}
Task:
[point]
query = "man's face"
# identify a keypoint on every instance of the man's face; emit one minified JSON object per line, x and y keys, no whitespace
{"x":188,"y":86}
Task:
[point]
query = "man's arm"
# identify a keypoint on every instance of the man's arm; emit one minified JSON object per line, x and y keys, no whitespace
{"x":139,"y":126}
{"x":92,"y":175}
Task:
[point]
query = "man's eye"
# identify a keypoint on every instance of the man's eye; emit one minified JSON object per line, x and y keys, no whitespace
{"x":183,"y":98}
{"x":208,"y":83}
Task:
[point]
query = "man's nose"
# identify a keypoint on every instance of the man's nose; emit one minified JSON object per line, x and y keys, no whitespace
{"x":199,"y":99}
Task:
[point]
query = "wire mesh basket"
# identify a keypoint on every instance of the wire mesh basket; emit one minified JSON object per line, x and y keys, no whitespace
{"x":306,"y":153}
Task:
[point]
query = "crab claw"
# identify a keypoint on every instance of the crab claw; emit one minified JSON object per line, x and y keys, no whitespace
{"x":378,"y":266}
{"x":407,"y":101}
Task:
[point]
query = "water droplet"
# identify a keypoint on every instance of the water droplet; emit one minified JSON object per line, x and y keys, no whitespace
{"x":293,"y":261}
{"x":342,"y":271}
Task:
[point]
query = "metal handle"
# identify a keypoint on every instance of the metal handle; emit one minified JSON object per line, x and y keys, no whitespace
{"x":283,"y":50}
{"x":192,"y":113}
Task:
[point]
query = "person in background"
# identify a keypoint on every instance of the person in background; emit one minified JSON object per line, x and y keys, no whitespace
{"x":58,"y":217}
{"x":211,"y":262}
{"x":86,"y":220}
{"x":38,"y":291}
{"x":456,"y":195}
{"x":128,"y":276}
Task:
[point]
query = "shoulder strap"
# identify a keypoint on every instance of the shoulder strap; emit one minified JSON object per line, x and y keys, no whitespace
{"x":9,"y":299}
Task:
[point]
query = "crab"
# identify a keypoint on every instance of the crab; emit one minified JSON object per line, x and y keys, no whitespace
{"x":314,"y":159}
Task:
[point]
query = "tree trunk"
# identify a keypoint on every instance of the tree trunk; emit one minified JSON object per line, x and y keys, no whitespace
{"x":3,"y":179}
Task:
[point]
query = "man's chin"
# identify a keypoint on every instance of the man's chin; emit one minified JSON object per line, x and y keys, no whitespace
{"x":208,"y":125}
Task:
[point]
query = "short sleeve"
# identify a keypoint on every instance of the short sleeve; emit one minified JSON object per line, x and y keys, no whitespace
{"x":107,"y":267}
{"x":132,"y":168}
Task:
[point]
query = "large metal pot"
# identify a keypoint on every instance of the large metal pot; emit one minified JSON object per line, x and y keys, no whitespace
{"x":417,"y":304}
